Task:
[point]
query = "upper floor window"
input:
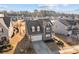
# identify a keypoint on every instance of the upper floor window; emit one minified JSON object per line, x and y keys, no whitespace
{"x":1,"y":29}
{"x":48,"y":28}
{"x":38,"y":28}
{"x":33,"y":29}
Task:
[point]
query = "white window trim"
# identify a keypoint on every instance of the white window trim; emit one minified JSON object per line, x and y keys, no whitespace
{"x":33,"y":28}
{"x":38,"y":28}
{"x":0,"y":29}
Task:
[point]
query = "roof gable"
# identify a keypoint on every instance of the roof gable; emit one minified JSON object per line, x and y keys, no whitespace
{"x":7,"y":21}
{"x":34,"y":23}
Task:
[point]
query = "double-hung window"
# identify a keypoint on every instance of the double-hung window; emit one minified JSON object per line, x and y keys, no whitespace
{"x":33,"y":28}
{"x":38,"y":28}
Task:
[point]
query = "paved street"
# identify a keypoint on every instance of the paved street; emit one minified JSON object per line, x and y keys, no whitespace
{"x":41,"y":48}
{"x":53,"y":47}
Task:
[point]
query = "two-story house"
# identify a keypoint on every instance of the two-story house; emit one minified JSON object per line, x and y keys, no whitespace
{"x":39,"y":29}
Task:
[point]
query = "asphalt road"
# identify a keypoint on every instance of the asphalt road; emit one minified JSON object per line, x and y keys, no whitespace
{"x":53,"y":47}
{"x":41,"y":48}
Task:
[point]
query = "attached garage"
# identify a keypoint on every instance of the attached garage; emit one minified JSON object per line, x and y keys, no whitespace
{"x":36,"y":37}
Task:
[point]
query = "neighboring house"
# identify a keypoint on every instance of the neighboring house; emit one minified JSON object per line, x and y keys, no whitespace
{"x":66,"y":27}
{"x":5,"y":26}
{"x":39,"y":29}
{"x":4,"y":30}
{"x":59,"y":26}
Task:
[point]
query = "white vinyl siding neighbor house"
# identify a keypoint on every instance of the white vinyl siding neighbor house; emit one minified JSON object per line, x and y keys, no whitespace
{"x":6,"y":28}
{"x":59,"y":27}
{"x":3,"y":30}
{"x":70,"y":28}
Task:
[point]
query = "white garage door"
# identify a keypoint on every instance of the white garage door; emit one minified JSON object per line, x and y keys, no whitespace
{"x":36,"y":37}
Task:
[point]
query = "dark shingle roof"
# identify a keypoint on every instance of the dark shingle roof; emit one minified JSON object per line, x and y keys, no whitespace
{"x":68,"y":22}
{"x":35,"y":23}
{"x":7,"y":21}
{"x":64,"y":22}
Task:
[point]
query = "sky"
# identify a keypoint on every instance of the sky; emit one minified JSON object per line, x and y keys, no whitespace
{"x":66,"y":8}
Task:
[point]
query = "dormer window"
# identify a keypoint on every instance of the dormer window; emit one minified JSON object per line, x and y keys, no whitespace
{"x":48,"y":28}
{"x":38,"y":28}
{"x":1,"y":29}
{"x":33,"y":28}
